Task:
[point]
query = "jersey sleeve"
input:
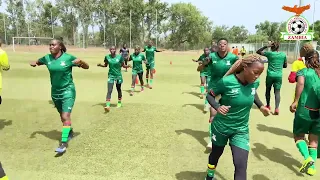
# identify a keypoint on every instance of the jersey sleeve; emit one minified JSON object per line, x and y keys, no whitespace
{"x":4,"y":62}
{"x":72,"y":58}
{"x":218,"y":88}
{"x":312,"y":102}
{"x":155,"y":49}
{"x":143,"y":57}
{"x":267,"y":54}
{"x":105,"y":59}
{"x":43,"y":60}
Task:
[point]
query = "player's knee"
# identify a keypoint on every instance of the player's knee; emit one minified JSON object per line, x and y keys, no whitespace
{"x":299,"y":137}
{"x":65,"y":118}
{"x":313,"y":140}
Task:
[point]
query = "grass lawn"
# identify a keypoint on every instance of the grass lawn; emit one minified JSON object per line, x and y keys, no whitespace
{"x":159,"y":134}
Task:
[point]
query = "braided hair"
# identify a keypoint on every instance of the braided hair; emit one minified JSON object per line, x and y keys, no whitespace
{"x":60,"y":41}
{"x":306,"y":48}
{"x":312,"y":61}
{"x":248,"y":60}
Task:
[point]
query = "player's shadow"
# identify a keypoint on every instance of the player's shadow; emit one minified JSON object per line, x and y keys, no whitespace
{"x":274,"y":130}
{"x":195,"y":86}
{"x":129,"y":91}
{"x":54,"y":134}
{"x":192,"y":93}
{"x":276,"y":155}
{"x":190,"y":175}
{"x":259,"y":177}
{"x":198,"y":106}
{"x":4,"y":123}
{"x":200,"y":136}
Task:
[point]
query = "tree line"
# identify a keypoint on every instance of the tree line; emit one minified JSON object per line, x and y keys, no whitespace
{"x":107,"y":22}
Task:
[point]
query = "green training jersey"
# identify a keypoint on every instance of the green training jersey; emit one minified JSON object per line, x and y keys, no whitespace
{"x":275,"y":63}
{"x":150,"y":51}
{"x":310,"y":78}
{"x":60,"y":70}
{"x":239,"y":97}
{"x":206,"y":70}
{"x":313,"y":99}
{"x":137,"y":60}
{"x":219,"y":66}
{"x":115,"y":64}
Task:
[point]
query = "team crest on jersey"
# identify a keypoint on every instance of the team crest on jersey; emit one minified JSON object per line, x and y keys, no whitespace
{"x":62,"y":63}
{"x":235,"y":91}
{"x":228,"y":63}
{"x":253,"y":91}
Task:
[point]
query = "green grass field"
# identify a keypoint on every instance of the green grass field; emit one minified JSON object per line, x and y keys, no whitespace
{"x":159,"y":134}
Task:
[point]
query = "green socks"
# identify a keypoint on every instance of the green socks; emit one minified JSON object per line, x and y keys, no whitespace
{"x":151,"y":81}
{"x":108,"y":103}
{"x":202,"y":89}
{"x":132,"y":88}
{"x":314,"y":155}
{"x":211,"y":170}
{"x":147,"y":79}
{"x":303,"y":148}
{"x":65,"y":133}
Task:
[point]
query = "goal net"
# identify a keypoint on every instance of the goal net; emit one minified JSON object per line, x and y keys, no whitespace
{"x":30,"y":43}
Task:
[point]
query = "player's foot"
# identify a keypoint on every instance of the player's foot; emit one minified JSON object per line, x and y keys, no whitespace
{"x":131,"y":93}
{"x":311,"y":171}
{"x":70,"y":135}
{"x":201,"y":96}
{"x":107,"y":108}
{"x":268,"y":107}
{"x":276,"y":112}
{"x":306,"y":165}
{"x":142,"y":90}
{"x":209,"y":145}
{"x":119,"y":105}
{"x":62,"y":148}
{"x":150,"y":87}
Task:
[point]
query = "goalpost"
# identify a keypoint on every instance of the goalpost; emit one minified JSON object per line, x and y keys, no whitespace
{"x":29,"y":41}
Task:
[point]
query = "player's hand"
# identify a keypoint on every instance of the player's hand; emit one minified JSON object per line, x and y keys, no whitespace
{"x":33,"y":64}
{"x":265,"y":111}
{"x":77,"y":61}
{"x":270,"y":44}
{"x":223,"y":109}
{"x":293,"y":107}
{"x":194,"y":60}
{"x":99,"y":65}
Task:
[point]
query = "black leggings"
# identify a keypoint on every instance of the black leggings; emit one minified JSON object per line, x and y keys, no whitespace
{"x":2,"y":173}
{"x":276,"y":96}
{"x":110,"y":88}
{"x":240,"y":160}
{"x":140,"y":79}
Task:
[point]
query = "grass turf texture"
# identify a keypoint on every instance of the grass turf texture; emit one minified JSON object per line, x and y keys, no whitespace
{"x":158,"y":134}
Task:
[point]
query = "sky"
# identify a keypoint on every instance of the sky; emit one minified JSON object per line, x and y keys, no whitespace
{"x":247,"y":12}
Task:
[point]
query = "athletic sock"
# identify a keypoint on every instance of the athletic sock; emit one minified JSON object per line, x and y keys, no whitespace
{"x":147,"y":79}
{"x":303,"y":148}
{"x":132,"y":88}
{"x":314,"y":154}
{"x":201,"y":88}
{"x":211,"y":171}
{"x":65,"y":132}
{"x":108,"y":103}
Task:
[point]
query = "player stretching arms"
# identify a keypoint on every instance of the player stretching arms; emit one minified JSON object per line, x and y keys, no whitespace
{"x":150,"y":50}
{"x":204,"y":73}
{"x":137,"y":70}
{"x":124,"y":51}
{"x":115,"y":62}
{"x":63,"y":92}
{"x":276,"y":62}
{"x":303,"y":123}
{"x":4,"y":66}
{"x":238,"y":93}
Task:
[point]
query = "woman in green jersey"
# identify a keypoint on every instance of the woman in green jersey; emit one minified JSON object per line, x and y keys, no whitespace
{"x":303,"y":124}
{"x":238,"y":92}
{"x":219,"y":63}
{"x":150,"y":51}
{"x":63,"y":92}
{"x":115,"y":62}
{"x":137,"y":70}
{"x":276,"y":62}
{"x":204,"y":73}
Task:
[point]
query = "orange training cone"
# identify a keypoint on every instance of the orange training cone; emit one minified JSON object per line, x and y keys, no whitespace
{"x":137,"y":80}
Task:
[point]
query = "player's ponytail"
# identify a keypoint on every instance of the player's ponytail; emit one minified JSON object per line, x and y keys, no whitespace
{"x":238,"y":66}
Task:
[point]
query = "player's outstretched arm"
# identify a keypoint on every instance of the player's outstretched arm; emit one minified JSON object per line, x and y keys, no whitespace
{"x":35,"y":63}
{"x":102,"y":64}
{"x":81,"y":64}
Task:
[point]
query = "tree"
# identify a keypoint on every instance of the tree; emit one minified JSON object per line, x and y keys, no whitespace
{"x":258,"y":37}
{"x":271,"y":29}
{"x":16,"y":17}
{"x":220,"y":32}
{"x":316,"y":31}
{"x":238,"y":34}
{"x":187,"y":24}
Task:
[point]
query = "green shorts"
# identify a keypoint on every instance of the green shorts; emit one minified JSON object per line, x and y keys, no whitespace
{"x":202,"y":74}
{"x":64,"y":101}
{"x":115,"y":79}
{"x":304,"y":126}
{"x":135,"y":72}
{"x":150,"y":65}
{"x":276,"y":82}
{"x":237,"y":138}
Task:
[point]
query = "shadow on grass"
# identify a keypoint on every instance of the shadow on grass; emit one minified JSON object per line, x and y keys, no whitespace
{"x":190,"y":175}
{"x":54,"y":134}
{"x":198,"y":135}
{"x":278,"y":156}
{"x":192,"y":93}
{"x":198,"y":106}
{"x":4,"y":123}
{"x":198,"y":86}
{"x":259,"y":177}
{"x":274,"y":130}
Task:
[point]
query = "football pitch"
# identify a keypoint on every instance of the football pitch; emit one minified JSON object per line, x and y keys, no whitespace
{"x":159,"y":134}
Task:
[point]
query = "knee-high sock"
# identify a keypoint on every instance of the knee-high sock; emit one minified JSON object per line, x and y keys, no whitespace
{"x":65,"y":131}
{"x":213,"y":160}
{"x":303,"y":148}
{"x":314,"y":154}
